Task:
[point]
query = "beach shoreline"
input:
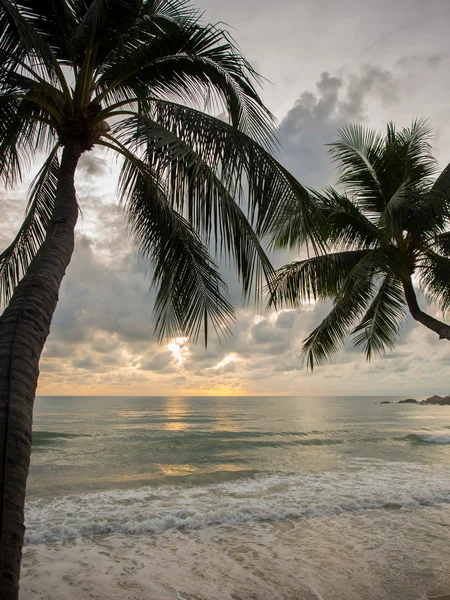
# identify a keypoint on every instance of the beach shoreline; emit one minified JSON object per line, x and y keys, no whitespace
{"x":374,"y":555}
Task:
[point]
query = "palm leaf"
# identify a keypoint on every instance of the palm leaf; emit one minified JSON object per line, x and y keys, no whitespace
{"x":329,"y":336}
{"x":407,"y":171}
{"x":440,"y":243}
{"x":203,"y":195}
{"x":434,"y":276}
{"x":434,"y":209}
{"x":381,"y":324}
{"x":14,"y":261}
{"x":25,"y":128}
{"x":190,"y":290}
{"x":22,"y":42}
{"x":176,"y":135}
{"x":194,"y":64}
{"x":441,"y":186}
{"x":358,"y":152}
{"x":408,"y":156}
{"x":54,"y":21}
{"x":101,"y":27}
{"x":316,"y":278}
{"x":350,"y":302}
{"x":344,"y":224}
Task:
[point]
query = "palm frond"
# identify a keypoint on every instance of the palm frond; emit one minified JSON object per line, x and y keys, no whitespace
{"x":177,"y":140}
{"x":359,"y":152}
{"x":440,"y":243}
{"x":441,"y":186}
{"x":191,"y":292}
{"x":54,"y":21}
{"x":166,"y":12}
{"x":408,"y":167}
{"x":14,"y":261}
{"x":392,"y":217}
{"x":344,"y":224}
{"x":22,"y":38}
{"x":102,"y":26}
{"x":434,"y":276}
{"x":25,"y":129}
{"x":330,"y":335}
{"x":194,"y":64}
{"x":207,"y":200}
{"x":433,"y":212}
{"x":381,"y":324}
{"x":315,"y":278}
{"x":408,"y":156}
{"x":350,"y":302}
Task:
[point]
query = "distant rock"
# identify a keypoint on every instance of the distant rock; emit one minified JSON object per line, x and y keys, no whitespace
{"x":441,"y":400}
{"x":408,"y":401}
{"x":385,"y":402}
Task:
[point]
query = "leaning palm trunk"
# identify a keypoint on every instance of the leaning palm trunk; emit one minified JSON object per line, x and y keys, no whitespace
{"x":442,"y":329}
{"x":24,"y":327}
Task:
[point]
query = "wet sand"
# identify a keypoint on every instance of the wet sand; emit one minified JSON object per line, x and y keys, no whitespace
{"x":374,"y":555}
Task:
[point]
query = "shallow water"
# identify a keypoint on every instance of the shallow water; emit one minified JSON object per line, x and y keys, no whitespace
{"x":238,"y":498}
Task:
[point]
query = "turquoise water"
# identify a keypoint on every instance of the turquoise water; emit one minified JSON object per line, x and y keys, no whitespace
{"x":145,"y":465}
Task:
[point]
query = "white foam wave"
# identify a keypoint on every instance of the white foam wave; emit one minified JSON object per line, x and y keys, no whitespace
{"x":264,"y":497}
{"x":436,"y":439}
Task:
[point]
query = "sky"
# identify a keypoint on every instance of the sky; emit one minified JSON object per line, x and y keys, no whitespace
{"x":325,"y":64}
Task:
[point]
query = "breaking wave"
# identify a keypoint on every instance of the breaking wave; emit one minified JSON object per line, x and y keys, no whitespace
{"x":259,"y":498}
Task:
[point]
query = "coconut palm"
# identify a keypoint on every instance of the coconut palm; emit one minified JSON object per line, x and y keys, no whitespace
{"x":387,"y":234}
{"x":142,"y":79}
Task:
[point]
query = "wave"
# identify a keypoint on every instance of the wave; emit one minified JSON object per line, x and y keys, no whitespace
{"x":436,"y":439}
{"x":44,"y":438}
{"x":426,"y":439}
{"x":259,"y":498}
{"x":246,"y":438}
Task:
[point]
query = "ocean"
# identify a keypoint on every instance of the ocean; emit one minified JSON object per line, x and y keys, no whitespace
{"x":237,"y":498}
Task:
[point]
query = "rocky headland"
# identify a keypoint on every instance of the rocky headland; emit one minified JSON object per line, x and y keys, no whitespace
{"x":440,"y":400}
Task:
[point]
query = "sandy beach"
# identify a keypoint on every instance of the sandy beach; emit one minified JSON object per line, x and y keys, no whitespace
{"x":374,"y":555}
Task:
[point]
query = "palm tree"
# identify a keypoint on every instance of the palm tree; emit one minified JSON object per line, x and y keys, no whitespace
{"x":140,"y":78}
{"x":388,"y":233}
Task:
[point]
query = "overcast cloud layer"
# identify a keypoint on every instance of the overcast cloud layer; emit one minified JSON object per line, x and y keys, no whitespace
{"x":328,"y":64}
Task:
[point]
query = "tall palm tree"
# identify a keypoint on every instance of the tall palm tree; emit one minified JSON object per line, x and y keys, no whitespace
{"x":142,"y":79}
{"x":387,"y":234}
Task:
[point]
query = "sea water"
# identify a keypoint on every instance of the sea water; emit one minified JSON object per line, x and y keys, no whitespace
{"x":237,"y":498}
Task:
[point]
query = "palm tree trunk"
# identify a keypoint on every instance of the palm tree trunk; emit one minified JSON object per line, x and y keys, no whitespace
{"x":442,"y":329}
{"x":24,"y":327}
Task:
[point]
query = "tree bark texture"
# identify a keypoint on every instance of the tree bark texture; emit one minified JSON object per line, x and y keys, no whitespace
{"x":24,"y":327}
{"x":442,"y":329}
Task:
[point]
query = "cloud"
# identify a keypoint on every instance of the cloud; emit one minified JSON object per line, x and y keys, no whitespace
{"x":315,"y":118}
{"x":93,"y":165}
{"x":12,"y":210}
{"x":162,"y":362}
{"x":102,"y":337}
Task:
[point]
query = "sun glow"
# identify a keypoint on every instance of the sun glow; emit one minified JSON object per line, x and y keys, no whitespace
{"x":228,"y":358}
{"x":179,"y":348}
